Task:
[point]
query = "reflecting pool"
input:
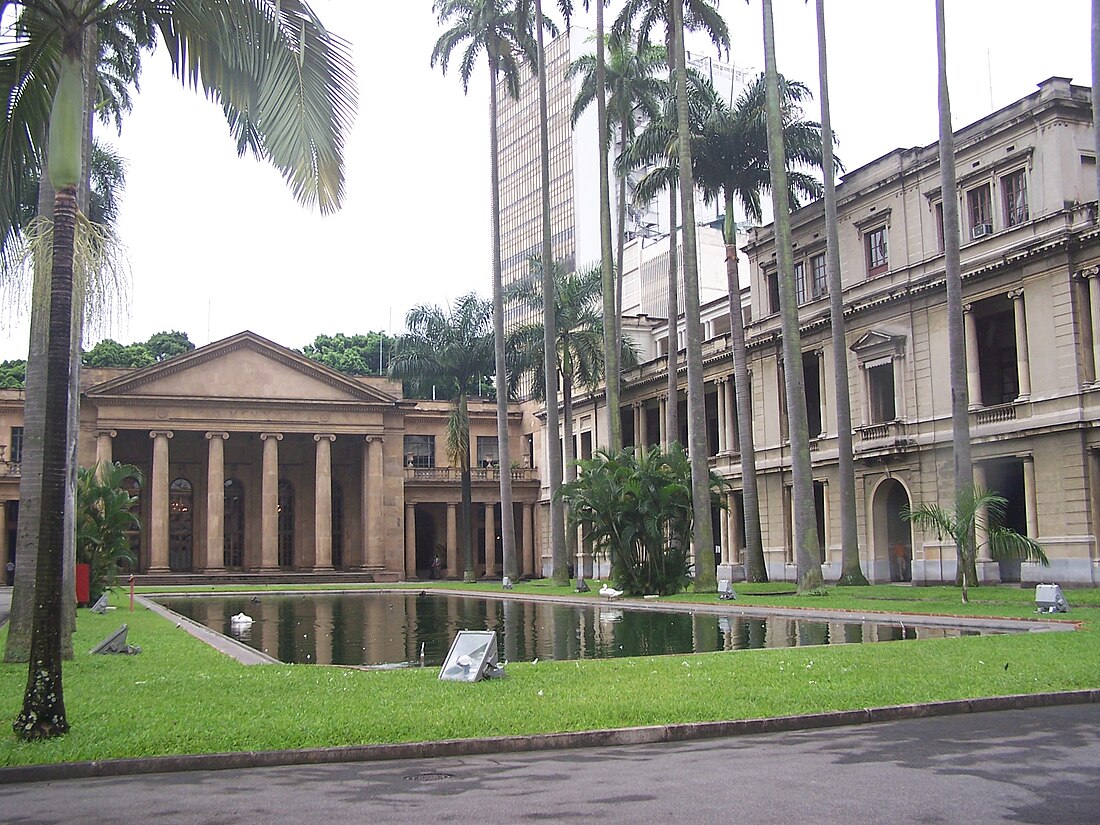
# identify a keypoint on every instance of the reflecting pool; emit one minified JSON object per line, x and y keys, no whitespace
{"x":396,"y":628}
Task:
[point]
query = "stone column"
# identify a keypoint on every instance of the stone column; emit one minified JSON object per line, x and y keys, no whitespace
{"x":322,"y":505}
{"x":981,"y":520}
{"x":724,"y":534}
{"x":1094,"y":314}
{"x":104,"y":446}
{"x":269,"y":502}
{"x":528,"y":565}
{"x":723,"y":445}
{"x":731,"y":417}
{"x":823,"y":392}
{"x":643,"y":426}
{"x":662,"y":409}
{"x":452,"y":541}
{"x":158,"y":504}
{"x":373,"y":501}
{"x":735,"y":518}
{"x":1031,"y":504}
{"x":215,"y":501}
{"x":1023,"y":367}
{"x":490,"y":540}
{"x":637,"y":424}
{"x":410,"y":540}
{"x":973,"y":368}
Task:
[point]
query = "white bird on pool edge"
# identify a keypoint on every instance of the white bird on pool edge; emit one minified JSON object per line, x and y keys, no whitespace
{"x":610,"y":592}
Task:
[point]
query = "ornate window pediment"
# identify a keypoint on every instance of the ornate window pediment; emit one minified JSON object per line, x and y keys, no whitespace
{"x":876,"y":345}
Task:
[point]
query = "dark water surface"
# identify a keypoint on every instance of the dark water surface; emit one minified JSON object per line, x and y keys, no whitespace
{"x":393,"y":628}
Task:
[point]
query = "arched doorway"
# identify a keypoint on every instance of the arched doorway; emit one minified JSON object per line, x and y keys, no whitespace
{"x":180,"y":525}
{"x":893,"y":534}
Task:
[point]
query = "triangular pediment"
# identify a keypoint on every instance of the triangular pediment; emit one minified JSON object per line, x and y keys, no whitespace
{"x":245,"y":366}
{"x":877,"y":342}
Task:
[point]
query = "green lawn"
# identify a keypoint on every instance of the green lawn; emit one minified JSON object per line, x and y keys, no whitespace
{"x":179,"y":696}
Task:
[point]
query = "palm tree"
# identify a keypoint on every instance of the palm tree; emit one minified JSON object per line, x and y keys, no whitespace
{"x":850,"y":571}
{"x":805,"y":522}
{"x":455,"y":346}
{"x":291,"y":102}
{"x":633,"y":91}
{"x":732,"y":166}
{"x":956,"y":340}
{"x":503,"y":31}
{"x":973,"y":506}
{"x":578,"y":352}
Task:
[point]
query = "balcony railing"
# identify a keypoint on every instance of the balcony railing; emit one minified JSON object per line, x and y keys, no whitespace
{"x":889,"y":435}
{"x":996,"y":414}
{"x":451,"y":475}
{"x":11,"y":469}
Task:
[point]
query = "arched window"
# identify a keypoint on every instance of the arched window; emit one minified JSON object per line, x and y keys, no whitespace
{"x":286,"y":523}
{"x":337,"y":525}
{"x":133,"y":534}
{"x":234,"y":524}
{"x":181,"y":514}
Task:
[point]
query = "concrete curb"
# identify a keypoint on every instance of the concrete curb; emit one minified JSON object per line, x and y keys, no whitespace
{"x":540,"y":742}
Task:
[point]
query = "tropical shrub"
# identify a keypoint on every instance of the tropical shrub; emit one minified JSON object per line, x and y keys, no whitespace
{"x":104,"y":518}
{"x":636,"y":507}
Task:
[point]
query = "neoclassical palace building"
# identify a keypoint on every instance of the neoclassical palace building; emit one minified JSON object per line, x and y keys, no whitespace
{"x":258,"y":459}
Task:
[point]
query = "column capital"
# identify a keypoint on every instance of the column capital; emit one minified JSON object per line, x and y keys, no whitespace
{"x":210,"y":436}
{"x":380,"y":439}
{"x":1087,"y":273}
{"x":158,"y":433}
{"x":266,"y":436}
{"x":324,"y":437}
{"x":1016,"y":294}
{"x":110,"y":433}
{"x":967,"y":308}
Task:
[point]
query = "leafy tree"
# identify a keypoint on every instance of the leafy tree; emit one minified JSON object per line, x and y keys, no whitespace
{"x":165,"y":345}
{"x":290,"y":102}
{"x":637,"y":507}
{"x":104,"y":517}
{"x":352,"y":354}
{"x":501,"y":29}
{"x":13,"y":374}
{"x":455,"y":345}
{"x":977,"y":514}
{"x":110,"y":353}
{"x":805,"y":521}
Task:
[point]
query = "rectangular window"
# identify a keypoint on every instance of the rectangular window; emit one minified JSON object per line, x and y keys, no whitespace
{"x":487,"y":453}
{"x":878,"y":260}
{"x":16,"y":453}
{"x":1014,"y":193}
{"x":819,"y":283}
{"x":420,"y":451}
{"x":773,"y":291}
{"x":980,"y":207}
{"x":880,"y":388}
{"x":939,"y":227}
{"x":800,"y":283}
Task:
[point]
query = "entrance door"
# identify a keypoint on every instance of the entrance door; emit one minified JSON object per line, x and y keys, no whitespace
{"x":180,"y":525}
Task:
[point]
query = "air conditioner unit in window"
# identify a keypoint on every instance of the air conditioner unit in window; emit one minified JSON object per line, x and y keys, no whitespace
{"x":982,"y":229}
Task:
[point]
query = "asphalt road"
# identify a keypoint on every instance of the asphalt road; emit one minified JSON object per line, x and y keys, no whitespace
{"x":1031,"y":766}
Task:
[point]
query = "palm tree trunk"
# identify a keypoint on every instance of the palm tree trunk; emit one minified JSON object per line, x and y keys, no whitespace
{"x":756,"y":569}
{"x":611,"y":347}
{"x":43,"y":713}
{"x":805,"y":517}
{"x":466,"y":511}
{"x":570,"y":467}
{"x":620,"y":264}
{"x":703,"y":531}
{"x":956,"y":341}
{"x":507,"y":513}
{"x":558,"y":553}
{"x":672,"y":407}
{"x":1096,"y":90}
{"x":851,"y":572}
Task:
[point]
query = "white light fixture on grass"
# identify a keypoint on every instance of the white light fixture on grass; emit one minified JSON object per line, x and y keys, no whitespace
{"x":472,"y":657}
{"x":1049,"y":599}
{"x":725,"y":590}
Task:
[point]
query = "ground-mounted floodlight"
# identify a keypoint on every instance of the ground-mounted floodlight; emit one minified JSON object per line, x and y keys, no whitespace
{"x":101,"y":605}
{"x":725,"y":590}
{"x":472,"y":657}
{"x":116,"y":643}
{"x":1049,"y":599}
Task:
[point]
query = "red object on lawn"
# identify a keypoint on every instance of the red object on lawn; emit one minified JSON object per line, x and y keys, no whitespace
{"x":83,"y":584}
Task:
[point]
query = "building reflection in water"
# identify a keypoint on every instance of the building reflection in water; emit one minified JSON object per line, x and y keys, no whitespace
{"x":392,"y":628}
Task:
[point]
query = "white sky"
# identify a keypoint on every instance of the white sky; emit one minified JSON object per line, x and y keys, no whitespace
{"x":218,"y":245}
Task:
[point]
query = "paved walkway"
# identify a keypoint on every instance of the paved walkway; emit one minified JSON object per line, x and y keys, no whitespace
{"x":1031,"y":766}
{"x":5,"y":604}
